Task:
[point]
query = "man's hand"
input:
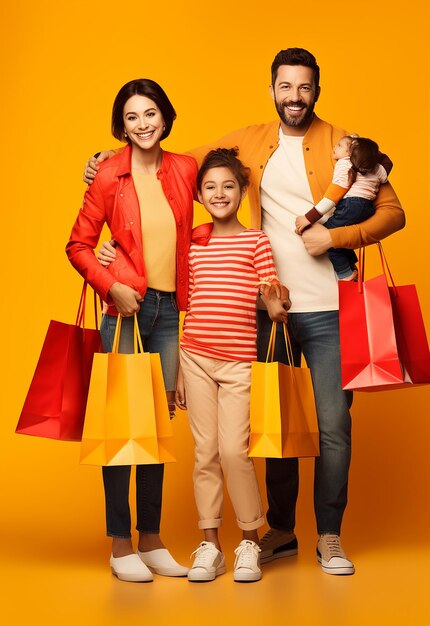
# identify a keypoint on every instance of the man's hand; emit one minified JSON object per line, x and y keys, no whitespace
{"x":317,"y":239}
{"x":302,"y":223}
{"x":107,"y":253}
{"x":92,"y":165}
{"x":126,"y":299}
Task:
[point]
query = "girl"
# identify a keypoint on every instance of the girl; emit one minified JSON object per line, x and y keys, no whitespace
{"x":228,"y":263}
{"x":145,"y":196}
{"x":357,"y":175}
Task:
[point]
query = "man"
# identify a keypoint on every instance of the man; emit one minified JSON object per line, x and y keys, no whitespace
{"x":291,"y":165}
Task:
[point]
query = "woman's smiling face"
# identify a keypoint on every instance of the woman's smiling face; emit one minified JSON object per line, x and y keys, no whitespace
{"x":143,"y":122}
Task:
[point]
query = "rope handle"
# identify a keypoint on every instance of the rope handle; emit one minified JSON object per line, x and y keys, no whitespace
{"x":80,"y":316}
{"x":384,"y":263}
{"x":137,"y":339}
{"x":272,"y":341}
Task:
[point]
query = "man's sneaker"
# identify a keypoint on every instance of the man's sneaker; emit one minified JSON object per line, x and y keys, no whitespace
{"x":247,"y":564}
{"x":331,"y":556}
{"x":208,"y":563}
{"x":276,"y":544}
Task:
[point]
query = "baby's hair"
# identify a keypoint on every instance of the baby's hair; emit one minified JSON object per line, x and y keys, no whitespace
{"x":224,"y":157}
{"x":364,"y":156}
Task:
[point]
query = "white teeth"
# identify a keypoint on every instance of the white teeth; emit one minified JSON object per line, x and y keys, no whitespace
{"x":145,"y":135}
{"x":294,"y":108}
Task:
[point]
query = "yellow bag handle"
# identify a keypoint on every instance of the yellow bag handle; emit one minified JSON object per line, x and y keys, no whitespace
{"x":137,"y":339}
{"x":272,"y":340}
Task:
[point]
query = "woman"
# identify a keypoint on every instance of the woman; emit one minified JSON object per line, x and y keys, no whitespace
{"x":145,"y":196}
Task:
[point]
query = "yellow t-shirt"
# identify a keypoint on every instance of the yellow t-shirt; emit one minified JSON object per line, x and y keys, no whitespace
{"x":158,"y":232}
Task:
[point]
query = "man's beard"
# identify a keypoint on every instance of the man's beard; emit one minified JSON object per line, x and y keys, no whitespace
{"x":296,"y":122}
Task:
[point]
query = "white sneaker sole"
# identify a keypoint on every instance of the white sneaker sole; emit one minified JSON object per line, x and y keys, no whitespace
{"x":336,"y":571}
{"x":247,"y":577}
{"x":205,"y":577}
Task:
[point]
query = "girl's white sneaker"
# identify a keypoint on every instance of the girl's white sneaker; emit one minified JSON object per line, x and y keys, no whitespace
{"x":247,"y":564}
{"x":208,"y":563}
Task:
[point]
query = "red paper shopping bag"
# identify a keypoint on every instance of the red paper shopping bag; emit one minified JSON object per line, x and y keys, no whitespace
{"x":382,"y":335}
{"x":57,"y":397}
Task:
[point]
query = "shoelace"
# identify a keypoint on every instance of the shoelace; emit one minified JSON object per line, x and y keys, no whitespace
{"x":204,"y":555}
{"x":246,"y":555}
{"x":333,"y":545}
{"x":266,"y":538}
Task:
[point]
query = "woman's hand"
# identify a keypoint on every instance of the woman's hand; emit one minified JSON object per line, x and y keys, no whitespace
{"x":180,"y":398}
{"x":107,"y":253}
{"x":92,"y":166}
{"x":302,"y":223}
{"x":126,"y":299}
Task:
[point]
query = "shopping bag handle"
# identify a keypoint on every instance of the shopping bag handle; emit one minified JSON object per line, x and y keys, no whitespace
{"x":272,"y":341}
{"x":384,"y":263}
{"x":80,"y":316}
{"x":137,"y":339}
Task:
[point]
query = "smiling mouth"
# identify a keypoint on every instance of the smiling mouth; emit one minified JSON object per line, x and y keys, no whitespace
{"x":294,"y":108}
{"x":220,"y":205}
{"x":147,"y":135}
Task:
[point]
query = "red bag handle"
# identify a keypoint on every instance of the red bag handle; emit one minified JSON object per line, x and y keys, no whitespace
{"x":385,"y":268}
{"x":80,"y":316}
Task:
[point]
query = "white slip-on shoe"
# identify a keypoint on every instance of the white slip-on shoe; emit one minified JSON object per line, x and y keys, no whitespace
{"x":130,"y":568}
{"x":277,"y":544}
{"x":247,"y":564}
{"x":161,"y":562}
{"x":208,"y":563}
{"x":331,"y":556}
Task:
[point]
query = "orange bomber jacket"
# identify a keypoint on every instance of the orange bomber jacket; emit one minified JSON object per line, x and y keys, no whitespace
{"x":257,"y":143}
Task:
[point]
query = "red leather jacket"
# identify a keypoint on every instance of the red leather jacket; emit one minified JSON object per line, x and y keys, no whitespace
{"x":112,"y":199}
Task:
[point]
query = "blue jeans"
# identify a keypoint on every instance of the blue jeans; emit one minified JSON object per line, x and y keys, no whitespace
{"x":158,"y":324}
{"x":317,"y":336}
{"x":352,"y":210}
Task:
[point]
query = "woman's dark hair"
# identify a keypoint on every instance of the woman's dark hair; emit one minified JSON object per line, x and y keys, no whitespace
{"x":141,"y":87}
{"x":296,"y":56}
{"x":364,"y":157}
{"x":224,"y":157}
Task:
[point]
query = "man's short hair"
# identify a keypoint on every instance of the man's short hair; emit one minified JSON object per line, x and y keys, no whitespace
{"x":296,"y":56}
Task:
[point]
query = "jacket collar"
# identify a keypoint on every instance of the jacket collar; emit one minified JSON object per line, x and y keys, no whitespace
{"x":124,"y":162}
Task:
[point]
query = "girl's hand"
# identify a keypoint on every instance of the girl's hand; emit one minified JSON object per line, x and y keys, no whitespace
{"x":275,"y":293}
{"x":107,"y":253}
{"x":126,"y":299}
{"x":276,"y":311}
{"x":302,"y":223}
{"x":180,"y":398}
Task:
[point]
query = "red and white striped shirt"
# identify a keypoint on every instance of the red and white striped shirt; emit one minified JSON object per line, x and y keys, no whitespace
{"x":224,"y":278}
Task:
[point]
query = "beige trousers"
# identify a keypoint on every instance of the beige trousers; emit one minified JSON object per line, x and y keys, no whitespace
{"x":217,"y":396}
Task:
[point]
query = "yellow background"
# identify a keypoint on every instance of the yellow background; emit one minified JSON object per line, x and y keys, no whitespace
{"x":62,"y":65}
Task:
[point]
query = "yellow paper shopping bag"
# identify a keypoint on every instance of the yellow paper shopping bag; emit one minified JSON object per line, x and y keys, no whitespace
{"x":283,"y":419}
{"x":127,"y":418}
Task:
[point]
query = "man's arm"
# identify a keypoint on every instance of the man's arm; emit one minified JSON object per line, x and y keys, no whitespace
{"x":389,"y":217}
